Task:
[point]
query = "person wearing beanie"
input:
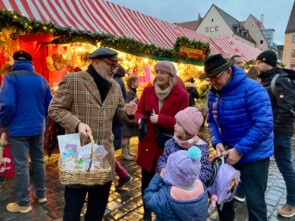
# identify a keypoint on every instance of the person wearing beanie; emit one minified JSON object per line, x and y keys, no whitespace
{"x":283,"y":103}
{"x":24,"y":99}
{"x":240,"y":124}
{"x":157,"y":107}
{"x":177,"y":193}
{"x":188,"y":123}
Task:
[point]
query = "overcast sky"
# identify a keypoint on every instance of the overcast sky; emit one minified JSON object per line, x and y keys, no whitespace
{"x":276,"y":12}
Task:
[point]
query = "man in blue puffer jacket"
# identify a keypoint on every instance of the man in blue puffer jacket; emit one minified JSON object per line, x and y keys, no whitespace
{"x":241,"y":128}
{"x":24,"y":100}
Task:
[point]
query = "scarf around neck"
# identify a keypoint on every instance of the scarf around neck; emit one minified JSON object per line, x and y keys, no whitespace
{"x":186,"y":144}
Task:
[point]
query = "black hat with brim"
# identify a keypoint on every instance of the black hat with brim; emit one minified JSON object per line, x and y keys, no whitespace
{"x":105,"y":53}
{"x":214,"y":65}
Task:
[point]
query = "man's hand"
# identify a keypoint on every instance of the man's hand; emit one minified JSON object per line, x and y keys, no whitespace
{"x":219,"y":149}
{"x":84,"y":130}
{"x":131,"y":107}
{"x":232,"y":155}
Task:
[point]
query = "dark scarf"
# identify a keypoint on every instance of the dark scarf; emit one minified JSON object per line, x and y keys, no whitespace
{"x":132,"y":89}
{"x":102,"y":85}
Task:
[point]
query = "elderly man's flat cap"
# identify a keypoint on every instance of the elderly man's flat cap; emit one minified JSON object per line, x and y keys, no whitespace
{"x":105,"y":53}
{"x":21,"y":55}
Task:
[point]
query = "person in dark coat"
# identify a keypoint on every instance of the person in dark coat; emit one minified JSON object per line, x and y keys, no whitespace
{"x":124,"y":176}
{"x":191,"y":90}
{"x":131,"y":129}
{"x":283,"y":102}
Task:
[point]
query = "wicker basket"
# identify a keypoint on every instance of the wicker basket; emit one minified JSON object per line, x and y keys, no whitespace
{"x":85,"y":177}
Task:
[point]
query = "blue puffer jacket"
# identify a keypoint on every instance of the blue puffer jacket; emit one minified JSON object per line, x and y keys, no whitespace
{"x":240,"y":117}
{"x":24,"y":100}
{"x":158,"y":199}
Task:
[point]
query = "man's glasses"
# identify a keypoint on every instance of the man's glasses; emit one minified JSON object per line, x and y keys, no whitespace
{"x":113,"y":65}
{"x":216,"y":77}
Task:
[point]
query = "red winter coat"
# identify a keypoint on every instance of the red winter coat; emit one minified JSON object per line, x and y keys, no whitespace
{"x":148,"y":150}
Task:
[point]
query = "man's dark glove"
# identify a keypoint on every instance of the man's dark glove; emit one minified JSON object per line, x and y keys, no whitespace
{"x":142,"y":128}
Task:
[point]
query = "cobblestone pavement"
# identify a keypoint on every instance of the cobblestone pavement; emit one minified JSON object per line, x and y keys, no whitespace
{"x":126,"y":204}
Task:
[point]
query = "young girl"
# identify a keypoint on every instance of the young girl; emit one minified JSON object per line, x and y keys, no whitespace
{"x":188,"y":123}
{"x":177,"y":193}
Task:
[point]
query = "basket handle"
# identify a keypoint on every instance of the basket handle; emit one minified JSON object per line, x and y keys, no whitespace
{"x":92,"y":150}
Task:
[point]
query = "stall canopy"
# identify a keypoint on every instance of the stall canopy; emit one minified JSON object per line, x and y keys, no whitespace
{"x":101,"y":16}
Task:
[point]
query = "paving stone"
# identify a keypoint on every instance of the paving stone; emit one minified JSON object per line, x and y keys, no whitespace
{"x":126,"y":203}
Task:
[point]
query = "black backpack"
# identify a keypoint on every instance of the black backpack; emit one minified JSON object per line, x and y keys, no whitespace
{"x":291,"y":75}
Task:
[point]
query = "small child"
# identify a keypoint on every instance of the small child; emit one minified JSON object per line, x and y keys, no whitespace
{"x":188,"y":123}
{"x":178,"y":194}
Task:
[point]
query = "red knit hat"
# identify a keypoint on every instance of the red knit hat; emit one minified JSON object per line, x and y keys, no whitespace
{"x":191,"y":119}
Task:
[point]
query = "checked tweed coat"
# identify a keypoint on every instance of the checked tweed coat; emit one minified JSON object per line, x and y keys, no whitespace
{"x":78,"y":100}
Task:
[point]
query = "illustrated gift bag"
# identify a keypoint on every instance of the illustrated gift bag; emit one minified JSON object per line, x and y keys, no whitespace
{"x":7,"y":166}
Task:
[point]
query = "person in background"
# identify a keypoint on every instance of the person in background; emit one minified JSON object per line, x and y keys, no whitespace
{"x":86,"y":102}
{"x":283,"y":102}
{"x":124,"y":176}
{"x":239,"y":61}
{"x":188,"y":123}
{"x":130,"y":129}
{"x":240,"y":124}
{"x":253,"y":74}
{"x":157,"y":106}
{"x":24,"y":100}
{"x":177,"y":193}
{"x":191,"y":90}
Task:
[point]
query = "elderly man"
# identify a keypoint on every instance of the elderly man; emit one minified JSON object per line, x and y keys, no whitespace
{"x":86,"y":102}
{"x":283,"y":102}
{"x":240,"y":124}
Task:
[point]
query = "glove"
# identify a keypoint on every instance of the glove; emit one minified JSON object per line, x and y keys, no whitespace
{"x":142,"y":129}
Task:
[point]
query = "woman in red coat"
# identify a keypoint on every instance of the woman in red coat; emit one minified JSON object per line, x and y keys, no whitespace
{"x":158,"y":105}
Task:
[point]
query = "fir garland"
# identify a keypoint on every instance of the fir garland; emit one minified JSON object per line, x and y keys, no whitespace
{"x":22,"y":25}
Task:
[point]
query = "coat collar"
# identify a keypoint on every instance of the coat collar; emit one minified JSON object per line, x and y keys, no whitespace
{"x":171,"y":99}
{"x":90,"y":84}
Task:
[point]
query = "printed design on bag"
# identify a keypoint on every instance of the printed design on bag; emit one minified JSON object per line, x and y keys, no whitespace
{"x":6,"y":164}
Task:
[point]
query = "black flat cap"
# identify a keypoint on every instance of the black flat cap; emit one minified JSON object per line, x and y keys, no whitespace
{"x":21,"y":55}
{"x":105,"y":53}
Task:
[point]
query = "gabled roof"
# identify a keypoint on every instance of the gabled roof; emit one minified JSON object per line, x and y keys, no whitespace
{"x":230,"y":20}
{"x":258,"y":23}
{"x":193,"y":25}
{"x":291,"y":23}
{"x":233,"y":22}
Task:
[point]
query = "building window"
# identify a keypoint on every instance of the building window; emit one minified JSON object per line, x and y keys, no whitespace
{"x":293,"y":39}
{"x":216,"y":28}
{"x":261,"y":42}
{"x":207,"y":29}
{"x":211,"y":28}
{"x":212,"y":20}
{"x":293,"y":54}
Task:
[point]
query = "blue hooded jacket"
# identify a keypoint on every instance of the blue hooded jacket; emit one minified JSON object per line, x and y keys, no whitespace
{"x":24,"y":100}
{"x":158,"y":199}
{"x":240,"y":116}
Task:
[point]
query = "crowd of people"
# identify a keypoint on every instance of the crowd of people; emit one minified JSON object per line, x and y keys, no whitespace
{"x":247,"y":122}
